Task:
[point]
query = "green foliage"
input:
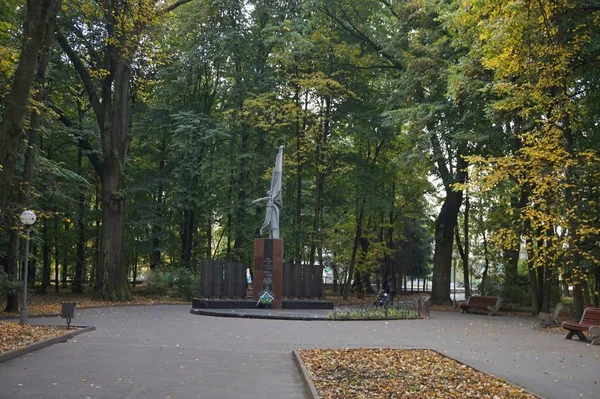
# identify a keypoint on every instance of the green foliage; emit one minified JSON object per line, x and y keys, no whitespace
{"x":178,"y":282}
{"x":369,"y":98}
{"x":373,"y":313}
{"x":7,"y":284}
{"x":516,"y":294}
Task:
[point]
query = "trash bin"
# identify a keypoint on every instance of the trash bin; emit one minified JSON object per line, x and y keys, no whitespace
{"x":68,"y":312}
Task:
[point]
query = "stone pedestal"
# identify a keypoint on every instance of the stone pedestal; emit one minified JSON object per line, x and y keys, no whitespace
{"x":268,"y":268}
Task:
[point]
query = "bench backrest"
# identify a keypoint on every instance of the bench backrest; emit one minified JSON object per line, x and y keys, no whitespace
{"x":482,"y":300}
{"x":591,"y":316}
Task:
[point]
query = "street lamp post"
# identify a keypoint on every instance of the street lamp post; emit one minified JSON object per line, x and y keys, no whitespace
{"x":28,"y":219}
{"x":454,"y":257}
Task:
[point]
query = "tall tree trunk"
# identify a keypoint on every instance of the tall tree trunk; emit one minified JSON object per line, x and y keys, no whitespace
{"x":320,"y":179}
{"x":445,"y":223}
{"x":155,"y":257}
{"x":111,"y":107}
{"x":33,"y":60}
{"x":56,"y":254}
{"x":511,"y":255}
{"x":486,"y":266}
{"x":187,"y":237}
{"x":357,"y":236}
{"x":97,"y":233}
{"x":533,"y":286}
{"x":111,"y":273}
{"x":209,"y":238}
{"x":597,"y":290}
{"x":466,"y":255}
{"x":39,"y":24}
{"x":77,"y":285}
{"x":444,"y":236}
{"x":547,"y":290}
{"x":45,"y":258}
{"x":299,"y":167}
{"x":65,"y":262}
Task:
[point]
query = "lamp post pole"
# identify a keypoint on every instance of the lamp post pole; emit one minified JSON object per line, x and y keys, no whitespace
{"x":28,"y":219}
{"x":454,"y":257}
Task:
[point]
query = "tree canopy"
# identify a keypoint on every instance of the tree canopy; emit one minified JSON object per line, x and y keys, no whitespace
{"x":142,"y":131}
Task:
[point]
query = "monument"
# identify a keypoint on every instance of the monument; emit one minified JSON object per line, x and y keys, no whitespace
{"x":223,"y":284}
{"x":268,"y":252}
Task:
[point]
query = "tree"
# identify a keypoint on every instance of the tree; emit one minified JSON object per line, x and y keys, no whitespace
{"x":112,"y":35}
{"x":37,"y":33}
{"x":541,"y":54}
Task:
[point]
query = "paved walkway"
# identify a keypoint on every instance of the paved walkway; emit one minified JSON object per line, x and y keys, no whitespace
{"x":166,"y":352}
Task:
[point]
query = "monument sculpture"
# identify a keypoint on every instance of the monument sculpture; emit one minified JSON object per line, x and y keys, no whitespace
{"x":268,"y":252}
{"x":273,"y":199}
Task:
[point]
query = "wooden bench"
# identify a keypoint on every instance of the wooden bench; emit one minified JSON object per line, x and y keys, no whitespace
{"x":590,"y":318}
{"x":490,"y":304}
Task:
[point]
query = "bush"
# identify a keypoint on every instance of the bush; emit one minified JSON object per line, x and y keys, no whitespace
{"x":372,"y":313}
{"x":7,"y":284}
{"x":516,"y":295}
{"x":185,"y":283}
{"x":178,"y":282}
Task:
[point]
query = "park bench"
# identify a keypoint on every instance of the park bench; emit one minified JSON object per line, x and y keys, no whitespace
{"x":590,"y":318}
{"x":490,"y":304}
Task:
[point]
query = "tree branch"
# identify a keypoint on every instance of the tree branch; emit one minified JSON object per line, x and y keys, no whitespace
{"x":85,"y":76}
{"x":92,"y":155}
{"x":174,"y":6}
{"x":389,"y":6}
{"x":90,"y":48}
{"x":440,"y":160}
{"x":357,"y":33}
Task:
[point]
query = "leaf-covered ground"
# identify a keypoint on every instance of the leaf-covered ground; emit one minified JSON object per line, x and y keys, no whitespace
{"x":14,"y":336}
{"x":399,"y":373}
{"x":49,"y":308}
{"x":50,"y":304}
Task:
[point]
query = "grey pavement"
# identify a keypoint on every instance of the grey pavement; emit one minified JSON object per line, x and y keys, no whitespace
{"x":166,"y":352}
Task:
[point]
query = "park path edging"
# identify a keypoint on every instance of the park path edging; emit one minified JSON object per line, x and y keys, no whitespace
{"x":42,"y":344}
{"x":309,"y":387}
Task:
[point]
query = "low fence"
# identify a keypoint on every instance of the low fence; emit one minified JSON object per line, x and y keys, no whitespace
{"x":421,"y":305}
{"x":228,"y":280}
{"x":400,"y":308}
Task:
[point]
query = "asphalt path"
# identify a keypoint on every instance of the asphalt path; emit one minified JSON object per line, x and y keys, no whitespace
{"x":166,"y":352}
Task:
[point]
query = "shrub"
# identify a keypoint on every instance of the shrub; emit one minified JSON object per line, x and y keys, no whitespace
{"x":7,"y":284}
{"x":185,"y":283}
{"x":372,"y":313}
{"x":157,"y":283}
{"x":517,"y":295}
{"x":180,"y":282}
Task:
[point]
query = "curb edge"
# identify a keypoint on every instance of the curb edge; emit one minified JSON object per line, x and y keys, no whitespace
{"x":42,"y":344}
{"x":309,"y":387}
